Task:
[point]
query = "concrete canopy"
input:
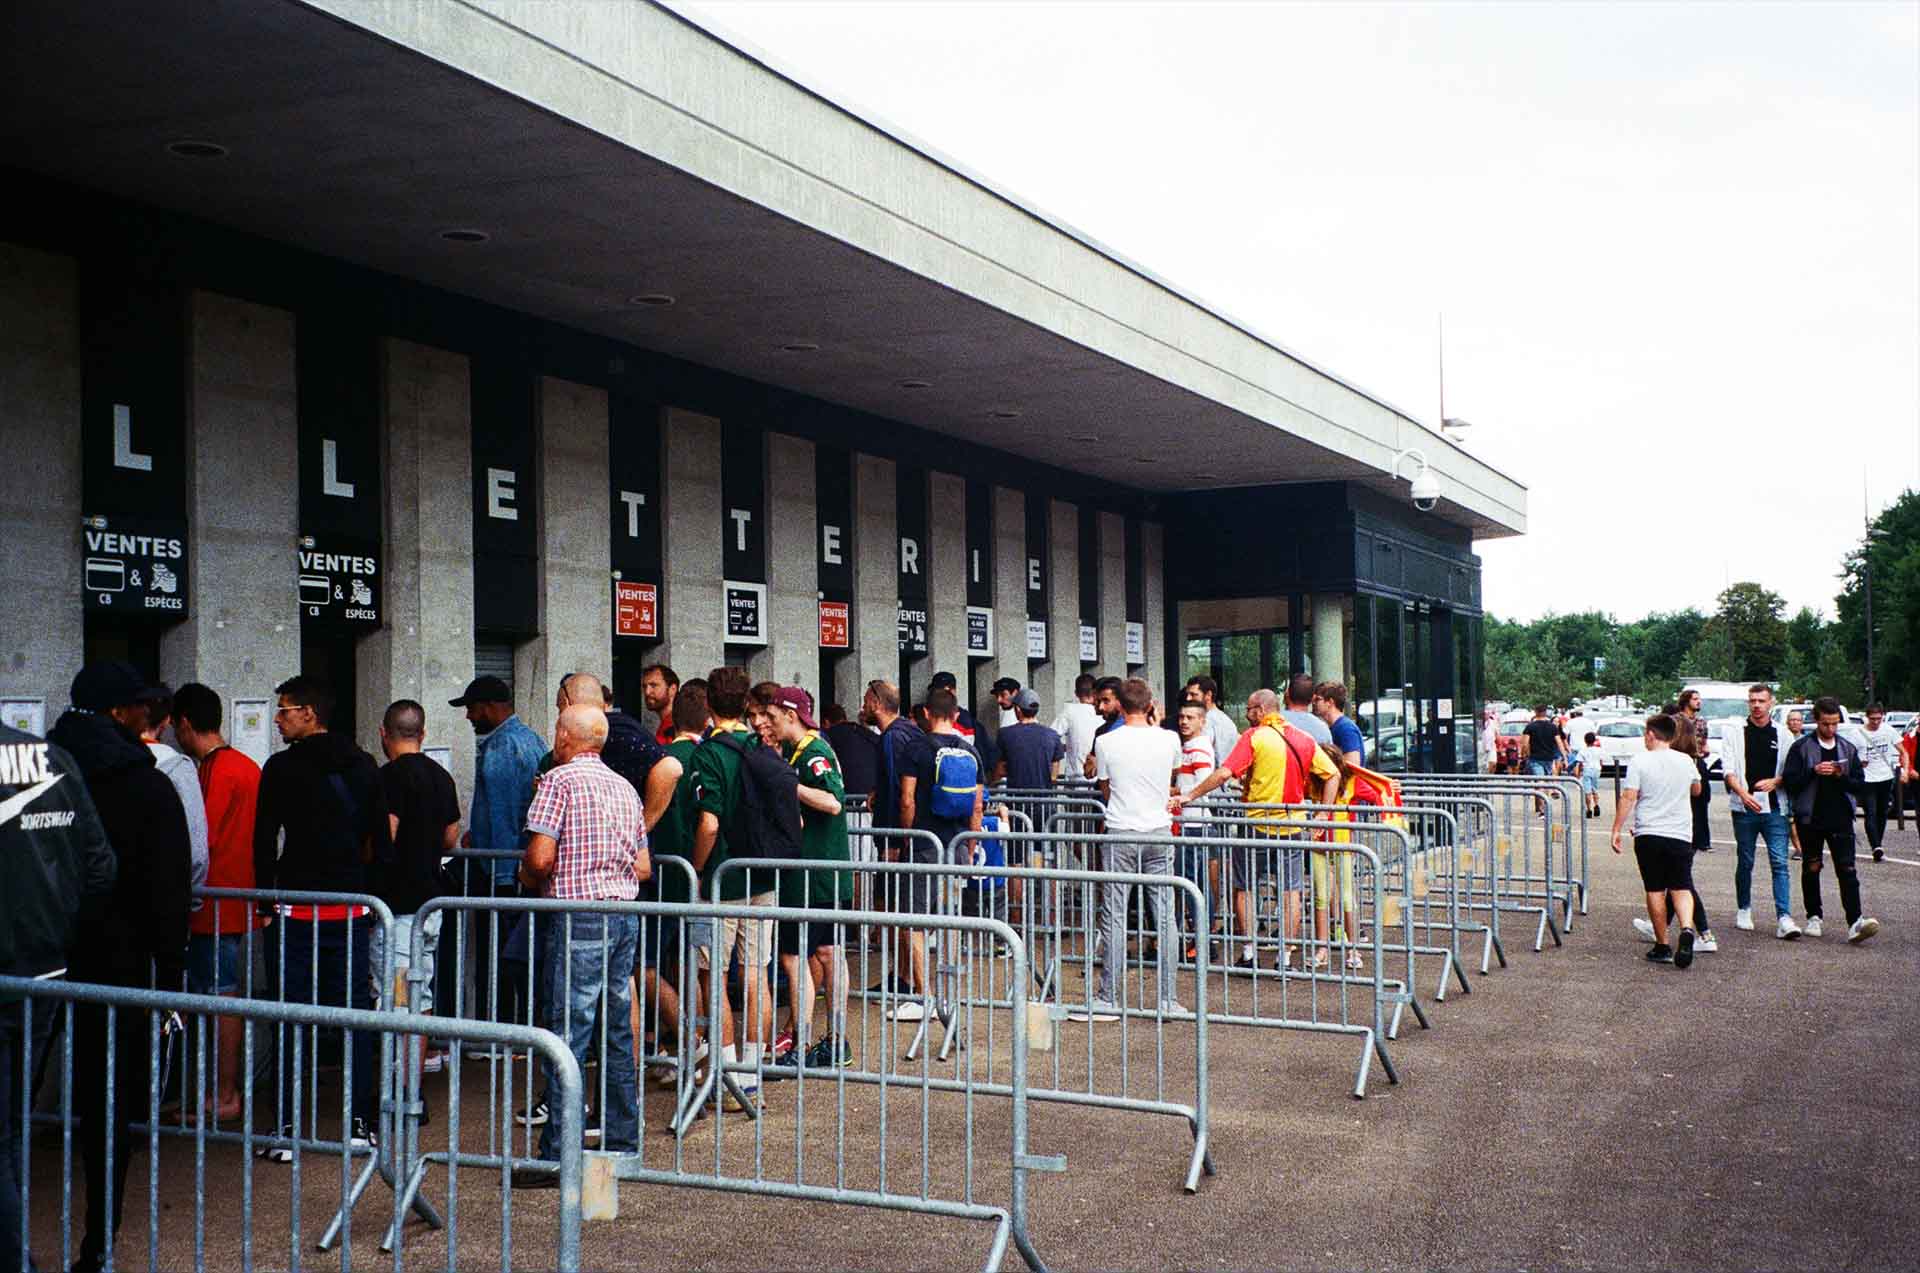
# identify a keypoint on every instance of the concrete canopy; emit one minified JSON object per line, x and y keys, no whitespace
{"x":612,"y":150}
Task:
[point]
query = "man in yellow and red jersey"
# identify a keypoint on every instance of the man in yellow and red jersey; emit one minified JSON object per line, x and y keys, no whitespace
{"x":1276,"y":764}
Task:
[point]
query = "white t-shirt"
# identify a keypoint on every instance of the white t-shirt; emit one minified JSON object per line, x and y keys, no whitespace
{"x":1878,"y":749}
{"x":1137,"y":762}
{"x":1075,"y":725}
{"x":1664,"y":778}
{"x":1593,"y":761}
{"x":1223,"y":732}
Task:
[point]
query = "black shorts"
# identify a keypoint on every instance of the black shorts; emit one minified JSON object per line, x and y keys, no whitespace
{"x":659,"y":946}
{"x":920,"y":894}
{"x":1665,"y":864}
{"x":819,"y":934}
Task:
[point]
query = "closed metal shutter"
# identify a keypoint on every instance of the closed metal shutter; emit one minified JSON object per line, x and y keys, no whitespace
{"x":494,"y":658}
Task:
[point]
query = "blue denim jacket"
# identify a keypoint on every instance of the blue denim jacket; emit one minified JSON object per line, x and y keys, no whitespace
{"x":502,"y":790}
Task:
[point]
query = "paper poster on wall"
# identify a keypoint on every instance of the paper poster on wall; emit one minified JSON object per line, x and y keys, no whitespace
{"x":1089,"y":643}
{"x":746,"y":607}
{"x":636,"y":609}
{"x":441,"y":756}
{"x":1036,"y":639}
{"x":835,"y":625}
{"x":979,"y":632}
{"x":252,"y":717}
{"x":28,"y":715}
{"x":1136,"y":644}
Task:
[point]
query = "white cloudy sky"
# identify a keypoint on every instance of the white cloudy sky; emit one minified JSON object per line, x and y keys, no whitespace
{"x":1677,"y":246}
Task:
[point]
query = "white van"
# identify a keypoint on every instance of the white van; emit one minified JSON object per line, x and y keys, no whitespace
{"x":1721,"y":700}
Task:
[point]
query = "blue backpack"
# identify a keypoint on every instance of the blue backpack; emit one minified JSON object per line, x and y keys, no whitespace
{"x":956,"y":776}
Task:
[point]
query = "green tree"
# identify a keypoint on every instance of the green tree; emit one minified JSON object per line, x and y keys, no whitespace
{"x":1892,"y":547}
{"x":1711,"y":658}
{"x":1665,"y":641}
{"x":1749,"y":618}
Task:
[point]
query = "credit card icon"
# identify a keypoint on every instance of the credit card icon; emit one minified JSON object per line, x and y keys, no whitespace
{"x":106,"y":574}
{"x":315,"y":590}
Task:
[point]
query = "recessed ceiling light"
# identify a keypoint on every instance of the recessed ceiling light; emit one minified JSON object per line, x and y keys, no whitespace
{"x":1083,"y":437}
{"x":651,"y":300}
{"x":916,"y":384}
{"x":465,"y":236}
{"x":1206,"y":477}
{"x":187,"y":148}
{"x":1005,"y":413}
{"x":799,"y":347}
{"x":1144,"y":459}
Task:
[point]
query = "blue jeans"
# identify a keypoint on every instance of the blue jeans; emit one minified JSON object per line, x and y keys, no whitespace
{"x":1539,"y":768}
{"x":575,"y":981}
{"x":1747,"y":828}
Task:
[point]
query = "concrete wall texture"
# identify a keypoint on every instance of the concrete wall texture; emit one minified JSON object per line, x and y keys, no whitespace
{"x":243,"y":634}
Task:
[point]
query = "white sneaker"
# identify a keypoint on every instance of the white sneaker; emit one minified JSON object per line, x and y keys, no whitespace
{"x":1644,"y":927}
{"x":1862,"y":929}
{"x":1098,"y":1010}
{"x":908,"y":1010}
{"x":1707,"y":943}
{"x":1787,"y":930}
{"x":1743,"y":920}
{"x":1814,"y":928}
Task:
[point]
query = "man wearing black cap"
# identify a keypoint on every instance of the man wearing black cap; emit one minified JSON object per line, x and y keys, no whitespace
{"x":138,"y":930}
{"x":504,"y":773}
{"x":964,"y":723}
{"x":1003,"y":692}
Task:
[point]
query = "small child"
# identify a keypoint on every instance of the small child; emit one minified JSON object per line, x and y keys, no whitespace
{"x":1593,"y":762}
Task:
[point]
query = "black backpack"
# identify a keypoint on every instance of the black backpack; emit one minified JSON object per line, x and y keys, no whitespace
{"x":766,"y":818}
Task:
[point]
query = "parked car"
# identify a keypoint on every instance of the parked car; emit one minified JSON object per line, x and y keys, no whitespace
{"x":1780,"y":711}
{"x":1621,"y":740}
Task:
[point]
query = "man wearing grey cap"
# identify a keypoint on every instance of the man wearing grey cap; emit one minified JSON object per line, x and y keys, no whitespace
{"x":1028,"y":749}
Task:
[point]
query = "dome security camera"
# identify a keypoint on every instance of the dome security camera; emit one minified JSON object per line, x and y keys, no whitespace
{"x":1425,"y":490}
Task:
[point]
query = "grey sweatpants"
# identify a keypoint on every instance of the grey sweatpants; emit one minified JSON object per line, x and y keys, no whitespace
{"x":1135,"y":859}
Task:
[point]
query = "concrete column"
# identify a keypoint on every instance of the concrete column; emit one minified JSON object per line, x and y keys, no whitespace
{"x":1010,"y":597}
{"x":41,"y":633}
{"x":876,"y":580}
{"x":576,"y":588}
{"x":1329,"y":638}
{"x":1153,"y":598}
{"x":425,"y":651}
{"x":1113,"y":596}
{"x":947,"y":583}
{"x":690,"y":522}
{"x":793,"y":569}
{"x":242,"y":634}
{"x":1063,"y":620}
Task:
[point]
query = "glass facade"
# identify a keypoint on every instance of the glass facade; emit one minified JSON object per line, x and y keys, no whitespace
{"x":1413,"y":670}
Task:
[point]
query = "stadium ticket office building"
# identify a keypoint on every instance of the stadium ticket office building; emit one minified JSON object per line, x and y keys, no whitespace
{"x":404,"y":343}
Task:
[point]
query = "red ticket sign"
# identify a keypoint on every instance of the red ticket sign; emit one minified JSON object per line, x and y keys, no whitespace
{"x":636,"y":609}
{"x":834,"y":626}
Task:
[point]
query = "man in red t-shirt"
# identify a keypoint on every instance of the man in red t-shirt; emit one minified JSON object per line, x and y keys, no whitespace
{"x":217,"y":950}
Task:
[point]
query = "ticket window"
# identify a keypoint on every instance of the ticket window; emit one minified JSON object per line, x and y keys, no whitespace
{"x":334,"y":659}
{"x":107,"y":638}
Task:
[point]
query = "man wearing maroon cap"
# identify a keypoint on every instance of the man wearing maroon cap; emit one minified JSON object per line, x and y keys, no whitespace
{"x":810,"y":951}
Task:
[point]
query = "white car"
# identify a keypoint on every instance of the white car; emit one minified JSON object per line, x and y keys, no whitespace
{"x":1621,"y":740}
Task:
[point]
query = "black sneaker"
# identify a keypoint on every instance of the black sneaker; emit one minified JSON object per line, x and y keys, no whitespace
{"x":534,"y":1117}
{"x":1660,"y":954}
{"x":534,"y":1178}
{"x":829,"y":1053}
{"x":783,"y":1065}
{"x":1684,"y":955}
{"x":1879,"y":854}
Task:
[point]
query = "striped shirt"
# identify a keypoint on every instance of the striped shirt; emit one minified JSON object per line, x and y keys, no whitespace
{"x":593,"y":815}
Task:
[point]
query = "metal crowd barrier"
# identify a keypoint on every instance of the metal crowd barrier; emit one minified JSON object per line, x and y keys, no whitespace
{"x":133,"y":1070}
{"x":1430,"y":854}
{"x":1521,"y":799}
{"x":1323,"y":1000}
{"x":829,"y":1101}
{"x":959,"y":973}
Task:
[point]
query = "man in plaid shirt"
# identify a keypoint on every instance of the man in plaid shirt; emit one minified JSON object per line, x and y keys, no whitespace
{"x":587,"y":841}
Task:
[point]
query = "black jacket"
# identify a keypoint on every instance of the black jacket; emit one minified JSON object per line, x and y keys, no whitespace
{"x":325,"y":793}
{"x":53,"y":853}
{"x":140,"y":928}
{"x":1803,"y":785}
